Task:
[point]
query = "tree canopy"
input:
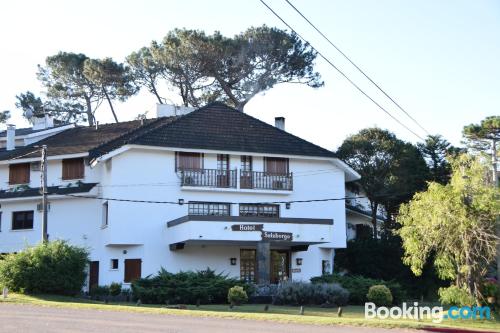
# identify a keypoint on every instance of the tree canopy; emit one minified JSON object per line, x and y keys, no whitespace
{"x":204,"y":68}
{"x":391,"y":170}
{"x":455,"y":223}
{"x":435,"y":151}
{"x":4,"y":116}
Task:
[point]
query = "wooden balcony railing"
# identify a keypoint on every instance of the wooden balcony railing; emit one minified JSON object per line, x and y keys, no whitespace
{"x":208,"y":178}
{"x":266,"y":181}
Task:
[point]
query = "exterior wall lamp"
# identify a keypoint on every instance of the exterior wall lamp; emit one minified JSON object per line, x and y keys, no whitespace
{"x":181,"y":202}
{"x":298,"y":261}
{"x":287,"y":205}
{"x":233,"y":261}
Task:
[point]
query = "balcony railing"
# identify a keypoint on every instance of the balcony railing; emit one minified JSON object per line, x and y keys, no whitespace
{"x":266,"y":181}
{"x":208,"y":178}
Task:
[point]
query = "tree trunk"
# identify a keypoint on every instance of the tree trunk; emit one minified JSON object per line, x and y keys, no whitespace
{"x":155,"y":92}
{"x":110,"y":104}
{"x":90,"y":116}
{"x":495,"y":183}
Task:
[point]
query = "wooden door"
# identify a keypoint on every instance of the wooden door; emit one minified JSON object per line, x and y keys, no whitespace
{"x":132,"y":270}
{"x":93,"y":274}
{"x":280,"y":265}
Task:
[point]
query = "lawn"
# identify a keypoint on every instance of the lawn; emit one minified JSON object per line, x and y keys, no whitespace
{"x":352,"y":315}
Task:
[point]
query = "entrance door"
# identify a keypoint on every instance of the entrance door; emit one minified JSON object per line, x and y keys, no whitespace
{"x":222,"y":170}
{"x":93,"y":274}
{"x":248,"y":265}
{"x":280,"y":265}
{"x":132,"y":270}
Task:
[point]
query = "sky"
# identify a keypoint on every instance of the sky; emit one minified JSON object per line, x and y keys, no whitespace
{"x":437,"y":59}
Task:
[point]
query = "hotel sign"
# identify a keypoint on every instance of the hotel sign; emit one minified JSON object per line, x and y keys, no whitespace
{"x":247,"y":227}
{"x":277,"y":236}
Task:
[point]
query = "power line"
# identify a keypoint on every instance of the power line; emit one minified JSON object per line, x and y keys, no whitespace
{"x":342,"y":73}
{"x":357,"y":67}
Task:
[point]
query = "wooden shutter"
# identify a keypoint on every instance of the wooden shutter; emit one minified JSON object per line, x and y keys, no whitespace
{"x":276,"y":165}
{"x":132,"y":270}
{"x":188,"y":161}
{"x":19,"y":173}
{"x":73,"y":168}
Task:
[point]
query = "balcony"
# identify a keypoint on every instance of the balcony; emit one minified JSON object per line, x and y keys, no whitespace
{"x":265,"y":181}
{"x":208,"y":178}
{"x":227,"y":179}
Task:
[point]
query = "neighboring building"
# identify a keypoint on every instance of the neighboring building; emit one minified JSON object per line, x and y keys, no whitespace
{"x":213,"y":186}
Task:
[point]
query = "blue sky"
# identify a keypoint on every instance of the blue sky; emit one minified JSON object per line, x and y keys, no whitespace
{"x":439,"y":59}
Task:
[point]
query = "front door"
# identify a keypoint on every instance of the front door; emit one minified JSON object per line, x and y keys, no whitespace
{"x":280,"y":265}
{"x":93,"y":274}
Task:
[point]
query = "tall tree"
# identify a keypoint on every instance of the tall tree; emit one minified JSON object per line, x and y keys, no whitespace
{"x":146,"y":71}
{"x":435,"y":150}
{"x":485,"y":137}
{"x":205,"y":68}
{"x":113,"y":79}
{"x":63,"y":110}
{"x":455,"y":223}
{"x":391,"y":170}
{"x":63,"y":76}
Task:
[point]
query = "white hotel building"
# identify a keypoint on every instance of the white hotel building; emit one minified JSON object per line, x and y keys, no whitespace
{"x":208,"y":188}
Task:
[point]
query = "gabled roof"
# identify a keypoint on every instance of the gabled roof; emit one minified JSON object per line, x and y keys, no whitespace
{"x":29,"y":130}
{"x":220,"y":127}
{"x":212,"y":127}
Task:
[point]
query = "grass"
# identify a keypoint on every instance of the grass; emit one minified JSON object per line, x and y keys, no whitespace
{"x":352,"y":315}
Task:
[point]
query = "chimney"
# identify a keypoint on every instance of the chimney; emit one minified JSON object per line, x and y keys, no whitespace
{"x":279,"y":122}
{"x":11,"y":137}
{"x":170,"y":110}
{"x":43,"y":122}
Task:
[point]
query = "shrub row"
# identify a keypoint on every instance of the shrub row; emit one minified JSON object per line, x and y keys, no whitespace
{"x":202,"y":287}
{"x":303,"y":293}
{"x":358,"y":286}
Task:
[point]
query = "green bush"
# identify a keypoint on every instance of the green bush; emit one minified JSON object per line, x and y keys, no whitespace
{"x":190,"y":287}
{"x":99,"y":291}
{"x":380,"y":295}
{"x":237,"y":295}
{"x":358,"y":286}
{"x":454,"y":295}
{"x":54,"y":268}
{"x":490,"y":289}
{"x":303,"y":293}
{"x":115,"y":289}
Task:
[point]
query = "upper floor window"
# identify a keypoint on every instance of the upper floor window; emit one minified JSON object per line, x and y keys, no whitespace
{"x":73,"y":168}
{"x":105,"y":214}
{"x":22,"y":220}
{"x":276,"y":165}
{"x":246,"y":163}
{"x":260,"y":210}
{"x":188,"y":161}
{"x":19,"y":173}
{"x":209,"y":208}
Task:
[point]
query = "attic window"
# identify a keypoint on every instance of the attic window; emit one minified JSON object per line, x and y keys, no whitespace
{"x":73,"y":168}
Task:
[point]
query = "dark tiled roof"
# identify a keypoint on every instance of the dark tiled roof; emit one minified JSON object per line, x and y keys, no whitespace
{"x":212,"y":127}
{"x":75,"y":140}
{"x":219,"y":127}
{"x":52,"y":190}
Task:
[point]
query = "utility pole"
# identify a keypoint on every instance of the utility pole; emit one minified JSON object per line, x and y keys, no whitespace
{"x":43,"y":189}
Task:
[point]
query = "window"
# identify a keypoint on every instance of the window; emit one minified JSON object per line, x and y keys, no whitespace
{"x":246,"y":163}
{"x":19,"y":173}
{"x":209,"y":208}
{"x":114,"y":264}
{"x":325,"y":267}
{"x":132,"y":270}
{"x":189,"y":161}
{"x":105,"y":212}
{"x":73,"y":168}
{"x":276,"y":165}
{"x":222,"y":162}
{"x":260,"y":210}
{"x":22,"y":220}
{"x":248,"y":265}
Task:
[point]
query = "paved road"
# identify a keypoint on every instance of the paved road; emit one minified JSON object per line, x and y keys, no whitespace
{"x":26,"y":318}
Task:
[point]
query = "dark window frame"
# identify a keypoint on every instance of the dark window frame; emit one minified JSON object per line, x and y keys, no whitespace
{"x":259,"y":210}
{"x":275,"y":160}
{"x":212,"y":208}
{"x":114,"y":264}
{"x":26,"y":223}
{"x":246,"y":265}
